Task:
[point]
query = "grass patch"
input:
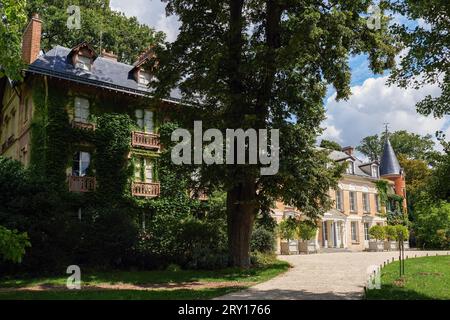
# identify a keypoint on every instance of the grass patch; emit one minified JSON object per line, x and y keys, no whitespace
{"x":425,"y":278}
{"x":238,"y":278}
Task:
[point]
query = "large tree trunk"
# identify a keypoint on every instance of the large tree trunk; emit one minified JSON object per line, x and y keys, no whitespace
{"x":241,"y":213}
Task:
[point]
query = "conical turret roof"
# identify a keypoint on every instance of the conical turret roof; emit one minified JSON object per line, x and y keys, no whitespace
{"x":389,"y":163}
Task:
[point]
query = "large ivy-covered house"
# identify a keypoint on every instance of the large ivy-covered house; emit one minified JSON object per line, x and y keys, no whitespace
{"x":50,"y":119}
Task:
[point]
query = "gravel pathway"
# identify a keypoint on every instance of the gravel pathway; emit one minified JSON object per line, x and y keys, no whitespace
{"x":341,"y":275}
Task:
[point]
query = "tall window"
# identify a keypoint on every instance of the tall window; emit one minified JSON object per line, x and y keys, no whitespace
{"x":366,"y":202}
{"x":339,"y":199}
{"x":354,"y":231}
{"x":144,"y":119}
{"x":353,"y":207}
{"x":81,"y":110}
{"x":143,"y":170}
{"x":366,"y":231}
{"x":378,"y":203}
{"x":81,"y":163}
{"x":83,"y":63}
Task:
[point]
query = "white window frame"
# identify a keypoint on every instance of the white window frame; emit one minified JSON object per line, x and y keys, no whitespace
{"x":80,"y":164}
{"x":366,"y":202}
{"x":148,"y":170}
{"x":377,"y":202}
{"x":81,"y":110}
{"x":83,"y":63}
{"x":366,"y":231}
{"x":354,"y":231}
{"x":339,"y":197}
{"x":353,"y":201}
{"x":144,"y":78}
{"x":145,"y":120}
{"x":351,"y":167}
{"x":374,"y":171}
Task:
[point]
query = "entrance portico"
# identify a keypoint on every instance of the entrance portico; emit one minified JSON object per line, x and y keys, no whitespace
{"x":332,"y":231}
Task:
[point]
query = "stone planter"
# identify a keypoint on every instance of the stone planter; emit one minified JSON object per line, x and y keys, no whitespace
{"x":390,"y":245}
{"x":289,"y":248}
{"x":405,"y":245}
{"x":307,"y":246}
{"x":376,"y":246}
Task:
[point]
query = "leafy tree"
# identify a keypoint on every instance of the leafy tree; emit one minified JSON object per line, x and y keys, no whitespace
{"x":432,"y":226}
{"x":306,"y":230}
{"x":409,"y":145}
{"x":266,"y":65}
{"x":330,"y":145}
{"x":100,"y":26}
{"x":427,"y":60}
{"x":417,"y":175}
{"x":439,"y":184}
{"x":13,"y":244}
{"x":13,"y":19}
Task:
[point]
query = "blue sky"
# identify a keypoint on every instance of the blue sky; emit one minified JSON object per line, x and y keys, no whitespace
{"x":372,"y":104}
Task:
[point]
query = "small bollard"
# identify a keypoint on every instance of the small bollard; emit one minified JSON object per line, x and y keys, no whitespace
{"x":393,"y":259}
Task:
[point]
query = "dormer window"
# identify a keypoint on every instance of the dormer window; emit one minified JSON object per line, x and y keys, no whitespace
{"x":374,"y":171}
{"x":83,"y":63}
{"x":350,"y":167}
{"x":144,"y":78}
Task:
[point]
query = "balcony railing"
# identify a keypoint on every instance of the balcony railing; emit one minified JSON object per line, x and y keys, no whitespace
{"x":81,"y":184}
{"x":148,"y":190}
{"x":145,"y":140}
{"x":83,"y":125}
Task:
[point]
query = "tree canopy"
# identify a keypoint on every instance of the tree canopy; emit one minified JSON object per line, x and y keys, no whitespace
{"x":409,"y":145}
{"x":330,"y":145}
{"x":261,"y":64}
{"x":427,"y":57}
{"x":13,"y":19}
{"x":100,"y":26}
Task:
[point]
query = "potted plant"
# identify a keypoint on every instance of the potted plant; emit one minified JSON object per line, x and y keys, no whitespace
{"x":306,"y":232}
{"x":286,"y":230}
{"x":377,"y":236}
{"x":390,"y":243}
{"x":402,"y":233}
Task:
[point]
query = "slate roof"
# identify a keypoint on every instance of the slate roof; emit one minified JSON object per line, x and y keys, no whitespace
{"x":389,"y":163}
{"x":105,"y":73}
{"x":340,"y":156}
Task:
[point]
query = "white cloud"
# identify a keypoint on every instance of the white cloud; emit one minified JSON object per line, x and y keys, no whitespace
{"x":374,"y":103}
{"x":150,"y":12}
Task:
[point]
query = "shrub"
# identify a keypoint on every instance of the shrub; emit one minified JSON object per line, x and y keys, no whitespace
{"x":306,"y":230}
{"x":262,"y":259}
{"x":390,"y":232}
{"x":263,"y":240}
{"x":377,"y":232}
{"x":13,"y":244}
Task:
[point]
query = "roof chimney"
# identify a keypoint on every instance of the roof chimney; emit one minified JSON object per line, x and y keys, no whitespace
{"x":348,"y":150}
{"x":31,"y":40}
{"x":109,"y":55}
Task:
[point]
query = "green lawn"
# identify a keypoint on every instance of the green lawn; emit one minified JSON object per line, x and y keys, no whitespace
{"x":425,"y":278}
{"x":238,"y":278}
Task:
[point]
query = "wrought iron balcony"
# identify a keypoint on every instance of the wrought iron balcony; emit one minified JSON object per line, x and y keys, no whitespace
{"x":83,"y":125}
{"x":81,"y":184}
{"x":145,"y":140}
{"x":147,"y":190}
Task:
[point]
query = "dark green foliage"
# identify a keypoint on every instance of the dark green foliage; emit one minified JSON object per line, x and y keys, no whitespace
{"x":330,"y":145}
{"x":432,"y":224}
{"x":12,"y":245}
{"x":113,"y":141}
{"x":12,"y":21}
{"x":263,"y":240}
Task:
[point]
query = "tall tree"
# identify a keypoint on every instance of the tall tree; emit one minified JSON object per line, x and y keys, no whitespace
{"x":427,"y":59}
{"x":13,"y":19}
{"x":265,"y":64}
{"x":100,"y":26}
{"x":409,"y":145}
